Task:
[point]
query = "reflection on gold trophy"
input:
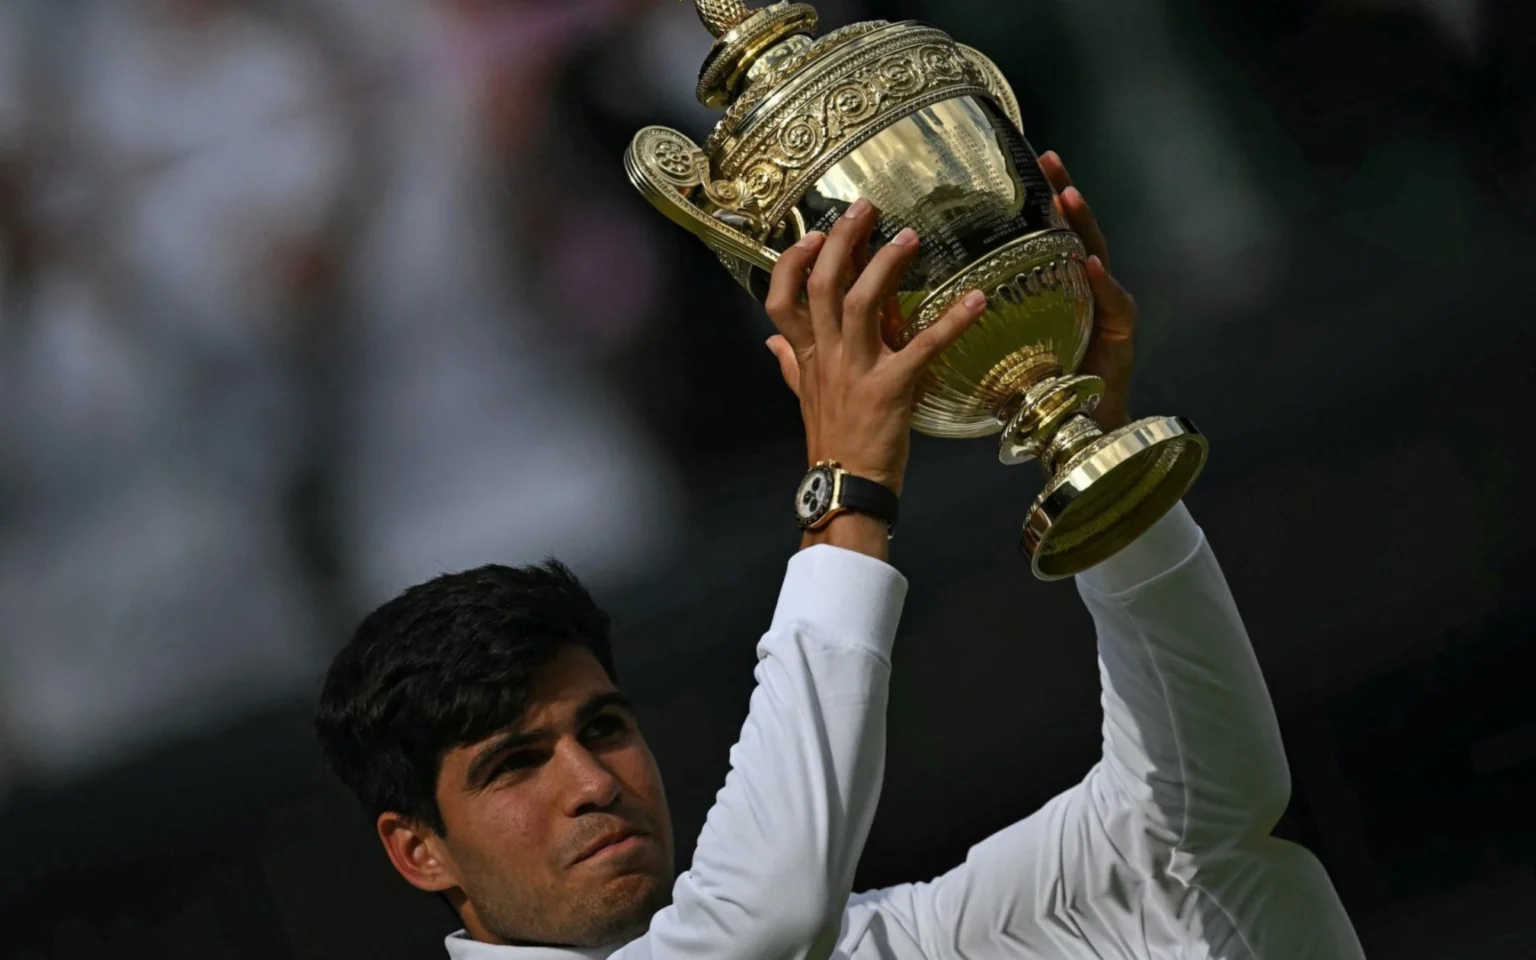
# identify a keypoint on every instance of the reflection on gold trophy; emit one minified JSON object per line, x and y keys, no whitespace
{"x":928,"y":131}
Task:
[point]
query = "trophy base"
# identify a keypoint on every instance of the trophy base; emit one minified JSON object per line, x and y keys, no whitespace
{"x":1107,"y":490}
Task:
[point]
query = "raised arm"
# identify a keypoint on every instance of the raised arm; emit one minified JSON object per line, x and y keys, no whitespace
{"x":1190,"y":737}
{"x":1194,"y":775}
{"x":1164,"y":848}
{"x":775,"y":863}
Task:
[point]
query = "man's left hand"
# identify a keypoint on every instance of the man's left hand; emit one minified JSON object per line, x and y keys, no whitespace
{"x":1111,"y":349}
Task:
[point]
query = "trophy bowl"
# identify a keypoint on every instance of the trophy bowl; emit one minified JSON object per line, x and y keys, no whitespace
{"x":929,"y":131}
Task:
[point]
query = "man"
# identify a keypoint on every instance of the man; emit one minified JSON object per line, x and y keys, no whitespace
{"x":478,"y":719}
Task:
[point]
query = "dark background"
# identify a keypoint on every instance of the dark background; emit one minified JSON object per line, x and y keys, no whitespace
{"x":1326,"y":211}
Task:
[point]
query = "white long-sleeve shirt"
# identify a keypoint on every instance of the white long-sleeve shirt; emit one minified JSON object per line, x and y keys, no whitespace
{"x":1162,"y":851}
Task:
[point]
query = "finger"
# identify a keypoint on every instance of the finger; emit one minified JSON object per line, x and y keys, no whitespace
{"x":784,"y":301}
{"x":834,"y":270}
{"x":1073,"y":206}
{"x":1055,"y":170}
{"x":937,"y":338}
{"x":1114,"y":310}
{"x":789,"y":363}
{"x":864,"y":307}
{"x":1082,"y":221}
{"x":860,"y":260}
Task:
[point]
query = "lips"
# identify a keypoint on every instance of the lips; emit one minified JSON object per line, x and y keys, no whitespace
{"x":610,"y":839}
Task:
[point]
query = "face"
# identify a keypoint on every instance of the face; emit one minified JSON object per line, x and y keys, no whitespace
{"x":557,"y":830}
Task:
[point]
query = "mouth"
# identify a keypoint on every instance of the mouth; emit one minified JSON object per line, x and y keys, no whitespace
{"x":612,"y":844}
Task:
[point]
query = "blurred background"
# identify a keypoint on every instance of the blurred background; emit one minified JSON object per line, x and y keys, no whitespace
{"x":303,"y":301}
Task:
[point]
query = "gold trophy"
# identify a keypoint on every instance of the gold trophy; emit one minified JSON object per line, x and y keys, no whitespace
{"x":927,"y":130}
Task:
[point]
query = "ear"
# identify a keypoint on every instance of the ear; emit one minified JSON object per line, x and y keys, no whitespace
{"x":417,"y":853}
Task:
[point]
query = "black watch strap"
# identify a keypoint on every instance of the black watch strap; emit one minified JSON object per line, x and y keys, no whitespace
{"x":870,"y":498}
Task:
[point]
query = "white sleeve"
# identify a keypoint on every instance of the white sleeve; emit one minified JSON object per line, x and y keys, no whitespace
{"x":775,"y":861}
{"x":1164,"y":848}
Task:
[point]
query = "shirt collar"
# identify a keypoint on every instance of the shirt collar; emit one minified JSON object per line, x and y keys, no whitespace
{"x":460,"y":947}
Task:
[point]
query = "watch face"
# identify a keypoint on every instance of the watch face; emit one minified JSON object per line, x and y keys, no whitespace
{"x":814,"y":498}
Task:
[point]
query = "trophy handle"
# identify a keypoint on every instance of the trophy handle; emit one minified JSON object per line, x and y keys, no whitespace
{"x":667,"y":168}
{"x":996,"y":83}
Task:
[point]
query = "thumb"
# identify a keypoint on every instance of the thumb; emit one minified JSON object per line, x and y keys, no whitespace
{"x":789,"y":364}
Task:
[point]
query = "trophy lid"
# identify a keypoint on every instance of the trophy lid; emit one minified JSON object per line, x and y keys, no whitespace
{"x":749,"y":42}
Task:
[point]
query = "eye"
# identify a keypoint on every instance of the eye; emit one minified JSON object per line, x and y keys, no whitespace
{"x":517,"y":762}
{"x":607,"y":727}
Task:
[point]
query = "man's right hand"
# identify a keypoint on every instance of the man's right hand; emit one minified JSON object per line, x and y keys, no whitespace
{"x":856,"y":393}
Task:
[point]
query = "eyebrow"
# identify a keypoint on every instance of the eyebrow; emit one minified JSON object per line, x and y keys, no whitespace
{"x":601,"y":702}
{"x":483,"y":768}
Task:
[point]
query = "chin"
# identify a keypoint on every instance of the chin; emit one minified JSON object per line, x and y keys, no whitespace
{"x":621,"y":908}
{"x":636,"y":890}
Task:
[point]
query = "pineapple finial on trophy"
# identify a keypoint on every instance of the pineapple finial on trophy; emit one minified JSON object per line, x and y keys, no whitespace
{"x":721,"y":15}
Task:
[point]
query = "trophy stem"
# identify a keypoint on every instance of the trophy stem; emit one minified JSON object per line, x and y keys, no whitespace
{"x":1048,"y":421}
{"x":1076,"y":434}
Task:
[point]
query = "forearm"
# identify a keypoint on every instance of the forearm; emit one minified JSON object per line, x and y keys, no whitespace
{"x":775,"y":861}
{"x":1190,"y":735}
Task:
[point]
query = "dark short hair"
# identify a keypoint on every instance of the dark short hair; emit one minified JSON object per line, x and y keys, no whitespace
{"x":444,"y":664}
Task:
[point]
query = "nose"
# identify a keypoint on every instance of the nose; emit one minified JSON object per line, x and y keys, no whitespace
{"x":590,"y":786}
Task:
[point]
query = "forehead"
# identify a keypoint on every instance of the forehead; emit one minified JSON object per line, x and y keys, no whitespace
{"x":566,"y":681}
{"x":556,"y":693}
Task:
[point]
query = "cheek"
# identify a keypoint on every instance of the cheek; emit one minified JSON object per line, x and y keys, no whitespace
{"x":637,"y":768}
{"x":503,"y":834}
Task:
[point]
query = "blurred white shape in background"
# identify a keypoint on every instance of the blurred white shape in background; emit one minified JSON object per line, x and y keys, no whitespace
{"x":151,"y":402}
{"x":146,"y":586}
{"x":13,"y":124}
{"x":153,"y":410}
{"x":12,"y":46}
{"x":473,"y":439}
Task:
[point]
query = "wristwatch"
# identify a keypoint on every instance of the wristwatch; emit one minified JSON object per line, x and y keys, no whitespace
{"x":828,"y":491}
